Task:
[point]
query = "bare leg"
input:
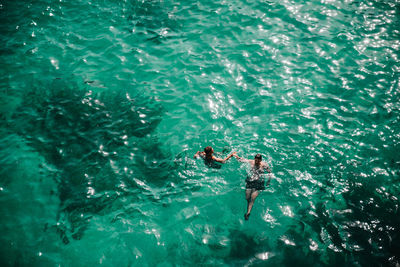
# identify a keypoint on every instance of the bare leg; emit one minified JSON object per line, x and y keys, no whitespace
{"x":248,"y":194}
{"x":254,"y":195}
{"x":251,"y":195}
{"x":248,"y":198}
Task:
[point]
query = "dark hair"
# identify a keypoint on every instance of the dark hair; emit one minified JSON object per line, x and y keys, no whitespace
{"x":208,"y":150}
{"x":258,"y":156}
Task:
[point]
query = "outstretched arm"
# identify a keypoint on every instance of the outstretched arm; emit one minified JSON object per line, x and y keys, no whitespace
{"x":268,"y":169}
{"x":269,"y":180}
{"x":198,"y":153}
{"x":225,"y":159}
{"x":240,"y":158}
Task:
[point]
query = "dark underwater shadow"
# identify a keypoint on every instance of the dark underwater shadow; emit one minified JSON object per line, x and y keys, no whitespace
{"x":362,"y":230}
{"x":248,"y":248}
{"x":374,"y":222}
{"x":82,"y":133}
{"x":243,"y":245}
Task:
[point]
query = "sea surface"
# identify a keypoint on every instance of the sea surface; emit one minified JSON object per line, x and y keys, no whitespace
{"x":103,"y":104}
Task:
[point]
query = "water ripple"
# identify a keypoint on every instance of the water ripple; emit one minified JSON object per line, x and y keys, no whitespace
{"x":104,"y":104}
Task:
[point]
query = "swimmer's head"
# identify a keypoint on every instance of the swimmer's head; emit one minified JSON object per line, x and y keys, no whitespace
{"x":208,"y":150}
{"x":258,"y":158}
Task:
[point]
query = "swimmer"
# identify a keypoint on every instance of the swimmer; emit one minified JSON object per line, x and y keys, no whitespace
{"x":209,"y":158}
{"x":254,"y":180}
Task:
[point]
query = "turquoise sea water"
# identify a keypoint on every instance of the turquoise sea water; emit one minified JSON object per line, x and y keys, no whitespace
{"x":103,"y":104}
